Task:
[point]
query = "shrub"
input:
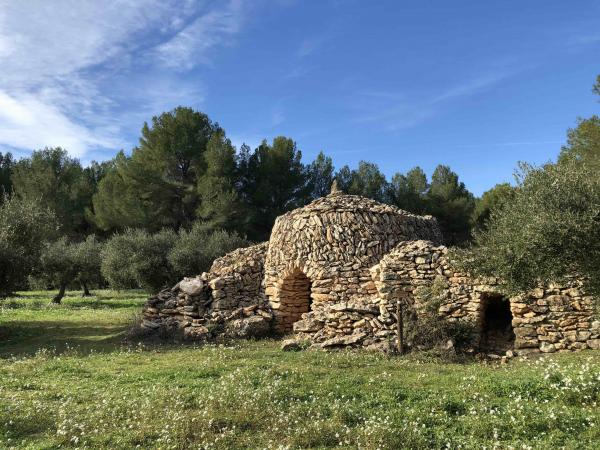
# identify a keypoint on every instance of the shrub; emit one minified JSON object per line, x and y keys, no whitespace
{"x":426,"y":329}
{"x":88,"y":261}
{"x":24,"y":227}
{"x":136,"y":258}
{"x":196,"y":249}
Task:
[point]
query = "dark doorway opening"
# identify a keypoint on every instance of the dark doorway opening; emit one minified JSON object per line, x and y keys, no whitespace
{"x":497,"y":334}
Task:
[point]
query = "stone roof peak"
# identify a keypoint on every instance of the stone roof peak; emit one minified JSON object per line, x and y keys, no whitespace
{"x":335,"y":190}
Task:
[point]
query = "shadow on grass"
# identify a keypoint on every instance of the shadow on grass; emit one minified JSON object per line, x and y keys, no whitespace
{"x":20,"y":338}
{"x":37,"y":305}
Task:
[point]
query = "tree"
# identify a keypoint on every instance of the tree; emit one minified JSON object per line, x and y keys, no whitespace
{"x":58,"y":181}
{"x":320,"y":176}
{"x":24,"y":227}
{"x":344,"y":178}
{"x":409,"y":191}
{"x":548,"y":231}
{"x":58,"y":265}
{"x":452,"y":204}
{"x":157,"y":185}
{"x":86,"y":255}
{"x":195,"y":250}
{"x":6,"y":163}
{"x":367,"y":181}
{"x":115,"y":205}
{"x":138,"y":259}
{"x":491,"y":200}
{"x":220,"y":205}
{"x":596,"y":87}
{"x":274,"y":181}
{"x":583,"y":142}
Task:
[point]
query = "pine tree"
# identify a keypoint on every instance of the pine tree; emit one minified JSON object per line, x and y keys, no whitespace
{"x":220,"y":202}
{"x":274,"y":181}
{"x":452,"y":204}
{"x":157,"y":185}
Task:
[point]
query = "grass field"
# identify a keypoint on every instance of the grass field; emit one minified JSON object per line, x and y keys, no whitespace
{"x":67,"y":380}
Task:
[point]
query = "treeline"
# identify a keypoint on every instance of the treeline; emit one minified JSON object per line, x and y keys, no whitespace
{"x":186,"y":170}
{"x":184,"y":196}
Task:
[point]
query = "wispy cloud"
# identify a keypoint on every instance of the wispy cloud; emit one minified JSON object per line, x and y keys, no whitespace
{"x":399,"y":110}
{"x":191,"y":45}
{"x":75,"y":73}
{"x":472,"y":86}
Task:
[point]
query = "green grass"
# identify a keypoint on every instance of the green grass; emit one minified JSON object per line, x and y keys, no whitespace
{"x":67,"y":380}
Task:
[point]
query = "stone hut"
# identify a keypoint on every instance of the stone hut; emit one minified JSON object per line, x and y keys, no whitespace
{"x":322,"y":253}
{"x":334,"y":273}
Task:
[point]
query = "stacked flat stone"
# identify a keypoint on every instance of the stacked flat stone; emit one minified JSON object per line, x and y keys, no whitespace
{"x":334,"y":273}
{"x":554,"y":318}
{"x":226,"y":300}
{"x":333,"y":242}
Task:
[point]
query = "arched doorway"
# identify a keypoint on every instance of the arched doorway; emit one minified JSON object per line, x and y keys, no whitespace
{"x":497,"y":334}
{"x":294,"y":299}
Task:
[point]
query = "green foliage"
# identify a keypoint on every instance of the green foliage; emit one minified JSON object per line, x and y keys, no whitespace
{"x":220,"y":202}
{"x":88,"y":261}
{"x":58,"y":181}
{"x":6,"y":164}
{"x":596,"y":87}
{"x":157,"y":185}
{"x":452,"y":204}
{"x":367,"y":181}
{"x":274,"y":181}
{"x":58,"y":265}
{"x":491,"y":200}
{"x":115,"y":205}
{"x":320,"y":175}
{"x":137,"y":258}
{"x":583,"y":143}
{"x":25,"y":225}
{"x":196,"y":249}
{"x":409,"y":191}
{"x":427,"y":329}
{"x":549,"y":230}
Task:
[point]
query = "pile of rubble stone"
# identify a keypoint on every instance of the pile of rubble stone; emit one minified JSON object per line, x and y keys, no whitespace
{"x":227,"y":300}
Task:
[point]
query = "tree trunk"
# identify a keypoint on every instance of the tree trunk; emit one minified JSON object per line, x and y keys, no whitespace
{"x":86,"y":291}
{"x":61,"y":293}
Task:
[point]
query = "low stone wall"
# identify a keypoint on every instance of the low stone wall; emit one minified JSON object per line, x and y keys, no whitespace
{"x":226,"y":300}
{"x":230,"y":300}
{"x":551,"y":319}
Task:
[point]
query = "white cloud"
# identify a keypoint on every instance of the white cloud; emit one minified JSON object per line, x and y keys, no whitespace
{"x":190,"y":46}
{"x":28,"y":123}
{"x":75,"y":72}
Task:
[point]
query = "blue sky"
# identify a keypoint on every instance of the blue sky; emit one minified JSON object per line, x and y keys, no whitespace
{"x":476,"y":85}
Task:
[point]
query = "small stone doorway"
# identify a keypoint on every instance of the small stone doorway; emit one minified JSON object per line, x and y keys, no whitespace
{"x":497,"y":334}
{"x":294,"y":300}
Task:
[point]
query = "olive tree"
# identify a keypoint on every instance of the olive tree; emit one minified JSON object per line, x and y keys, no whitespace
{"x":549,"y":230}
{"x":196,"y":249}
{"x":24,"y":227}
{"x":138,"y":259}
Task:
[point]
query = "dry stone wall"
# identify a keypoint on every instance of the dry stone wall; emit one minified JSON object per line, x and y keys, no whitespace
{"x":333,"y":242}
{"x":547,"y":319}
{"x":226,"y":300}
{"x":334,"y":273}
